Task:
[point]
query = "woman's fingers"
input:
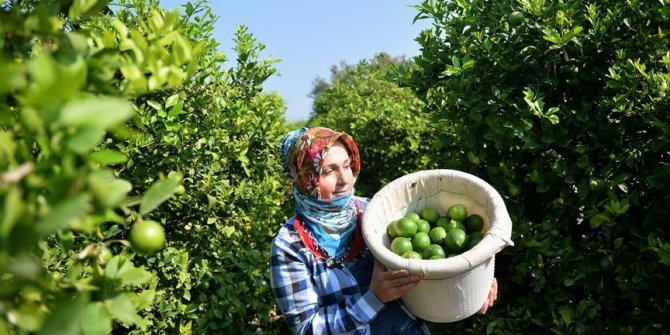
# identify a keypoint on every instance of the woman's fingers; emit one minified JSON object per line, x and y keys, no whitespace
{"x":491,"y":298}
{"x":390,"y":285}
{"x":493,"y":294}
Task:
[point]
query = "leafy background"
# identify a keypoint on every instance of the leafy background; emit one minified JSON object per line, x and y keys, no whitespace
{"x":117,"y":113}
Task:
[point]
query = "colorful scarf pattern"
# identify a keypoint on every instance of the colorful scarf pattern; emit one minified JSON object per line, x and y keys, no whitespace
{"x":329,"y":224}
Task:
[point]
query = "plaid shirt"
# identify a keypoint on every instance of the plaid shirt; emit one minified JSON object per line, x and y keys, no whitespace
{"x":317,"y":299}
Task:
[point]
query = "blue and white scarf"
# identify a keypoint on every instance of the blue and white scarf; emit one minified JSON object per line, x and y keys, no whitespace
{"x":331,"y":223}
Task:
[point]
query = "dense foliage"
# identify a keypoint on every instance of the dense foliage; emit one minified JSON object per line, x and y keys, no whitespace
{"x":67,"y":73}
{"x":75,"y":175}
{"x":115,"y":114}
{"x":393,"y":136}
{"x":221,"y":133}
{"x":563,"y":107}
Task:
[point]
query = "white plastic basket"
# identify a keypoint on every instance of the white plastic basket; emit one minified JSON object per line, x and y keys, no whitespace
{"x":453,"y":288}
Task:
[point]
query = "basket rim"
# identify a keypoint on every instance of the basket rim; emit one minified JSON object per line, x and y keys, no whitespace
{"x":496,"y":238}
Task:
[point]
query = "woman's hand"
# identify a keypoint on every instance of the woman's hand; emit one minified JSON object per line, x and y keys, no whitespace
{"x":493,"y":294}
{"x":391,"y":285}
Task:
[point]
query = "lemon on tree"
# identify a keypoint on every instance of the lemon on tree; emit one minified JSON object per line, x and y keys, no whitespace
{"x":515,"y":18}
{"x":103,"y":255}
{"x":147,"y":237}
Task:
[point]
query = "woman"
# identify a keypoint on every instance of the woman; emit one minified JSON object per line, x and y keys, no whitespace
{"x":324,"y":278}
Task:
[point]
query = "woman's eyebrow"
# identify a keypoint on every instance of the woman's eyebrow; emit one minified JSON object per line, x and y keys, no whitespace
{"x":336,"y":164}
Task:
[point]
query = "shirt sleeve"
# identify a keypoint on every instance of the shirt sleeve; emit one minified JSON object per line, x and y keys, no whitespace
{"x":298,"y":298}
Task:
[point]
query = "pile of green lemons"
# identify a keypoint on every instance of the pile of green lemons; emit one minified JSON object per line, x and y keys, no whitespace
{"x":427,"y":235}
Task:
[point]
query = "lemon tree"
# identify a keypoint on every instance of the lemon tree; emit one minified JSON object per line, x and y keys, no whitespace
{"x":561,"y":107}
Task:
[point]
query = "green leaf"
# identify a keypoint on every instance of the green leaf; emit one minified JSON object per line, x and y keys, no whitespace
{"x":121,"y":308}
{"x":27,"y":317}
{"x":96,"y":320}
{"x":155,"y":105}
{"x":60,"y":216}
{"x":12,"y":210}
{"x":617,"y":242}
{"x":96,"y":112}
{"x":573,"y":33}
{"x":7,"y":146}
{"x":598,"y":220}
{"x":108,"y":157}
{"x":81,"y":8}
{"x":116,"y":266}
{"x":65,"y":316}
{"x":158,"y":193}
{"x":552,"y":36}
{"x":85,"y":140}
{"x":136,"y":276}
{"x":172,"y":100}
{"x":108,"y":189}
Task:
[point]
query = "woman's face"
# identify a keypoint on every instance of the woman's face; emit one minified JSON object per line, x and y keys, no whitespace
{"x":336,"y":178}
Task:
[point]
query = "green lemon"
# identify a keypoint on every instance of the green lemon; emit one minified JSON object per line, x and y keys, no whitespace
{"x":474,"y":240}
{"x":432,"y":251}
{"x":413,"y":216}
{"x":420,"y":241}
{"x":605,"y":264}
{"x":454,"y":224}
{"x":457,"y":212}
{"x":422,"y":226}
{"x":476,"y":235}
{"x":390,"y":230}
{"x":474,"y":223}
{"x":412,"y":255}
{"x":430,"y":214}
{"x":401,"y":245}
{"x":147,"y":237}
{"x":405,"y":227}
{"x":442,"y":222}
{"x":456,"y":240}
{"x":437,"y":235}
{"x":515,"y":18}
{"x":104,"y":255}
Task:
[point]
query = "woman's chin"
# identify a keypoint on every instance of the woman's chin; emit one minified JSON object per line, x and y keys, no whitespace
{"x":341,"y":194}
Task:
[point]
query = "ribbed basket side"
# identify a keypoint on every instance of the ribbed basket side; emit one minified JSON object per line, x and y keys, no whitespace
{"x":452,"y":299}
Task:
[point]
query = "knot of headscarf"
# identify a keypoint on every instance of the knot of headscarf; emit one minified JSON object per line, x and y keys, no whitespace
{"x":329,"y":223}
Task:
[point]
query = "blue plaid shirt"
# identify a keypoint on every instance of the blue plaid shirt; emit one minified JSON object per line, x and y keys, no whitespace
{"x":317,"y":299}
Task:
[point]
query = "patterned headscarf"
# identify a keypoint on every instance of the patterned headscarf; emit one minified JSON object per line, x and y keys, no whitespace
{"x":329,"y":224}
{"x":303,"y":151}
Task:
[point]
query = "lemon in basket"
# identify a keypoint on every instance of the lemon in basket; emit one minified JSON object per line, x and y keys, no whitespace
{"x":405,"y":227}
{"x":456,"y":240}
{"x":457,"y":212}
{"x":401,"y":245}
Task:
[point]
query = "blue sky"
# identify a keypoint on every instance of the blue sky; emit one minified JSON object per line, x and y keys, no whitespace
{"x":309,"y":37}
